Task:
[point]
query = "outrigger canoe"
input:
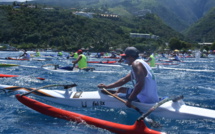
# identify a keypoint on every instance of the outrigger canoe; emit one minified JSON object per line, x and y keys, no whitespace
{"x":69,"y":97}
{"x":68,"y":69}
{"x":7,"y":65}
{"x":111,"y":57}
{"x":166,"y":63}
{"x":139,"y":127}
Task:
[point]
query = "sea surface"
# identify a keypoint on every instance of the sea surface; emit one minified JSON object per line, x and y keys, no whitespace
{"x":198,"y":88}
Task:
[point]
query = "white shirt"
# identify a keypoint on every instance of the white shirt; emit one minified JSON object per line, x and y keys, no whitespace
{"x":149,"y":92}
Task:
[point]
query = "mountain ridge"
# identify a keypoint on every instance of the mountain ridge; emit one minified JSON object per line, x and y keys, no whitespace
{"x":203,"y":30}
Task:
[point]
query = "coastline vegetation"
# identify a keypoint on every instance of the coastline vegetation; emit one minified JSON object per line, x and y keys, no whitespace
{"x":60,"y":29}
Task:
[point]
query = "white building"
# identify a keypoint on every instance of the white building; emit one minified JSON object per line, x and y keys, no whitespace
{"x":141,"y":35}
{"x":205,"y":44}
{"x":85,"y":14}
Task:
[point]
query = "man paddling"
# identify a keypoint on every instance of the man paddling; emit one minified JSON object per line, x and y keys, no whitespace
{"x":81,"y":60}
{"x":151,"y":60}
{"x":25,"y":55}
{"x":142,"y":78}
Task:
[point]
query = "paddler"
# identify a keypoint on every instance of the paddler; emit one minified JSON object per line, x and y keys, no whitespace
{"x":25,"y":55}
{"x":151,"y":60}
{"x":175,"y":57}
{"x":60,"y":54}
{"x":37,"y":53}
{"x":74,"y":55}
{"x":144,"y":85}
{"x":81,"y":60}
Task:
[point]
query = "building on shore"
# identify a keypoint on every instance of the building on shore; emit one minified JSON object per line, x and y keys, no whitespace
{"x":142,"y":35}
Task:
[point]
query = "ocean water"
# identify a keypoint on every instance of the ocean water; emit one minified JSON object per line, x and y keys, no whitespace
{"x":198,"y":88}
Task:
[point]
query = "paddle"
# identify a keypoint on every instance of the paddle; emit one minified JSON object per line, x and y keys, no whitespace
{"x":65,"y":87}
{"x":174,"y":99}
{"x":88,"y":69}
{"x":150,"y":121}
{"x":40,"y":78}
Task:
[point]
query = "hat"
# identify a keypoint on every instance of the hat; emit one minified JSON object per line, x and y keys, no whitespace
{"x":79,"y":51}
{"x":130,"y":51}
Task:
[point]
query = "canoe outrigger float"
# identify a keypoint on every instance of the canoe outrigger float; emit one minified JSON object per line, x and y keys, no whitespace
{"x":7,"y":65}
{"x":139,"y":126}
{"x":170,"y":109}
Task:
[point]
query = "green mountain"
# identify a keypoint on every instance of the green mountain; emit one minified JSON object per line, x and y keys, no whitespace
{"x":204,"y":29}
{"x":61,"y":29}
{"x":178,"y":14}
{"x":188,"y":11}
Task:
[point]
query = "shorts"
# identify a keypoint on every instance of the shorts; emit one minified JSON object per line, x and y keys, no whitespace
{"x":127,"y":94}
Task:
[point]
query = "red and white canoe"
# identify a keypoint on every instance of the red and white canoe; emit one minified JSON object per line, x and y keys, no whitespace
{"x":138,"y":128}
{"x":111,"y":57}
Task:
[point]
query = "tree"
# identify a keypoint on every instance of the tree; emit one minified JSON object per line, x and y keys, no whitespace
{"x":174,"y":43}
{"x":212,"y":46}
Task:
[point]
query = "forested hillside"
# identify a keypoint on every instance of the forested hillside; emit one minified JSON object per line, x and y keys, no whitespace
{"x":178,"y":14}
{"x":61,"y":29}
{"x":204,"y":29}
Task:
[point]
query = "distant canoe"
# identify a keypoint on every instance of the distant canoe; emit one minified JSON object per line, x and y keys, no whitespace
{"x":9,"y":58}
{"x":102,"y":62}
{"x":112,"y":57}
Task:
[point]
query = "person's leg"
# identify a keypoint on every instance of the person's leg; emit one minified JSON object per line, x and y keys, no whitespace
{"x":121,"y":92}
{"x":128,"y":93}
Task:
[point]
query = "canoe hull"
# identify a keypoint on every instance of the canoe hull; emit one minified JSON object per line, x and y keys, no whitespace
{"x":138,"y":128}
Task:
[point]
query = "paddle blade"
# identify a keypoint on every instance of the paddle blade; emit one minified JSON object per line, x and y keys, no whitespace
{"x":40,"y":78}
{"x":69,"y":86}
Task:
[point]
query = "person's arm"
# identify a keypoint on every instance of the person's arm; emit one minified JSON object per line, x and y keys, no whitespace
{"x":118,"y":83}
{"x":120,"y":60}
{"x":149,"y":59}
{"x":76,"y":61}
{"x":22,"y":55}
{"x":140,"y":73}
